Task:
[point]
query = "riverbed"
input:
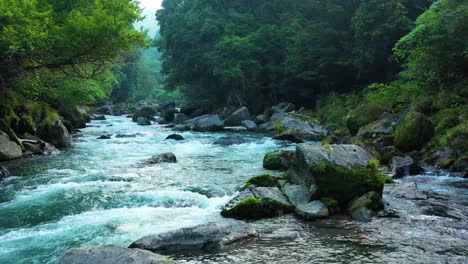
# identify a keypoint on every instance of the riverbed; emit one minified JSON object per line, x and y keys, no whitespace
{"x":99,"y":192}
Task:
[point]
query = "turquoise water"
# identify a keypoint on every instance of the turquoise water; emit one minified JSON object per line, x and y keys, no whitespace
{"x":98,"y":192}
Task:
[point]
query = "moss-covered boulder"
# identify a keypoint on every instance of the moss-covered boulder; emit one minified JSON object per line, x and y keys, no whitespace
{"x":366,"y":206}
{"x":413,"y":132}
{"x":345,"y":184}
{"x":278,"y":160}
{"x":363,"y":115}
{"x":146,"y":112}
{"x":263,"y":180}
{"x":257,"y":203}
{"x":53,"y":130}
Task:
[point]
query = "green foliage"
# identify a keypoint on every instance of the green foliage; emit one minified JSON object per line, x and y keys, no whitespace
{"x":329,"y":201}
{"x":363,"y":115}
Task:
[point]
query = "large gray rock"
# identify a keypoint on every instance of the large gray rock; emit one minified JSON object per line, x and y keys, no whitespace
{"x":298,"y":131}
{"x":142,"y":121}
{"x":111,"y":254}
{"x":266,"y":127}
{"x":249,"y":124}
{"x":260,"y":119}
{"x":297,"y":194}
{"x":206,"y":123}
{"x":405,"y":166}
{"x":180,"y":118}
{"x":210,"y":237}
{"x":56,"y":133}
{"x":4,"y":172}
{"x":104,"y":110}
{"x":237,"y":117}
{"x":277,"y":116}
{"x":313,"y":210}
{"x":38,"y":147}
{"x":162,"y":158}
{"x":8,"y":149}
{"x":256,"y":203}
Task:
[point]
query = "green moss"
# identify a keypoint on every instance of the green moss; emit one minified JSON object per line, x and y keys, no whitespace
{"x":447,"y":163}
{"x":329,"y":201}
{"x":253,"y":208}
{"x":341,"y":132}
{"x":413,"y":132}
{"x":363,"y":115}
{"x":371,"y":200}
{"x":264,"y":180}
{"x":345,"y":184}
{"x":385,"y":179}
{"x":277,"y":159}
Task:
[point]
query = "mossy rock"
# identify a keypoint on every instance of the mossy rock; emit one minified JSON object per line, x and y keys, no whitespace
{"x":345,"y":184}
{"x":457,"y":138}
{"x":278,"y":159}
{"x":146,"y":112}
{"x":169,"y":114}
{"x":264,"y":180}
{"x":362,"y":208}
{"x":329,"y":201}
{"x":363,"y":115}
{"x":413,"y":132}
{"x":254,"y":208}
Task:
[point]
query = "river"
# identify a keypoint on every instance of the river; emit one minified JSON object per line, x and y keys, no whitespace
{"x":98,"y":192}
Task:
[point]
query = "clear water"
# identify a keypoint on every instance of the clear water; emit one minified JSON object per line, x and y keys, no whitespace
{"x":97,"y":192}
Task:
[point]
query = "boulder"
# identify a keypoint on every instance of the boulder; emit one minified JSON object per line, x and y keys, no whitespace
{"x":194,"y":109}
{"x":363,"y":115}
{"x":169,"y":114}
{"x":249,"y":124}
{"x":297,"y":194}
{"x":110,"y":254}
{"x":9,"y":150}
{"x":228,"y":141}
{"x":342,"y":172}
{"x":104,"y":110}
{"x":405,"y":166}
{"x":141,"y":121}
{"x":260,"y":119}
{"x":277,"y":116}
{"x":237,"y":117}
{"x":98,"y":117}
{"x":381,"y":127}
{"x":37,"y":147}
{"x":256,"y":203}
{"x":164,"y":106}
{"x":206,"y":123}
{"x":180,"y":118}
{"x":55,"y":132}
{"x":413,"y":132}
{"x":365,"y":207}
{"x":268,"y":127}
{"x":263,"y":180}
{"x":175,"y":137}
{"x":227,"y":111}
{"x":162,"y":158}
{"x":297,"y":130}
{"x":235,"y":129}
{"x":209,"y":237}
{"x":4,"y":172}
{"x":278,"y":159}
{"x":146,"y":112}
{"x":312,"y":211}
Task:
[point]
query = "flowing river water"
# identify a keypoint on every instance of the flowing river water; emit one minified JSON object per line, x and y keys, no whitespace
{"x":98,"y":192}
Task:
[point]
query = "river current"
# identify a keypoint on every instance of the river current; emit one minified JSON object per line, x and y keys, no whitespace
{"x":99,"y":192}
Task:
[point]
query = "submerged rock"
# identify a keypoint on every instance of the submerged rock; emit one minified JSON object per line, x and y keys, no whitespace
{"x":4,"y":172}
{"x":105,"y":137}
{"x":236,"y":129}
{"x":405,"y":166}
{"x":98,"y":117}
{"x":228,"y":141}
{"x":175,"y":137}
{"x":256,"y":203}
{"x":162,"y":158}
{"x":365,"y":207}
{"x":55,"y":132}
{"x":236,"y":118}
{"x":209,"y":237}
{"x":9,"y":150}
{"x":278,"y":159}
{"x":111,"y":254}
{"x":313,"y":210}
